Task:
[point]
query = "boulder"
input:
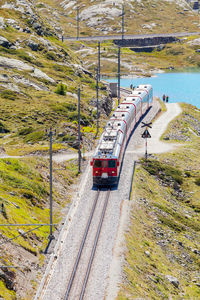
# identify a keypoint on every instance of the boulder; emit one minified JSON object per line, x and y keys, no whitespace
{"x":39,"y":74}
{"x":173,"y":280}
{"x":4,"y":42}
{"x":33,"y":45}
{"x":2,"y":23}
{"x":14,"y":64}
{"x":8,"y":282}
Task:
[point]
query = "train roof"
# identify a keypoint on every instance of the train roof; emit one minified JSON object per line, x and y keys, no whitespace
{"x":111,"y":139}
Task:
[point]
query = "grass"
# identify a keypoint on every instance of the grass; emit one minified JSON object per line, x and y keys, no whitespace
{"x":24,"y":191}
{"x":165,"y":222}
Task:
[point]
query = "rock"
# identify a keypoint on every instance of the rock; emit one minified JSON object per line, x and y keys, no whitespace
{"x":27,"y":30}
{"x":17,"y":64}
{"x":4,"y":42}
{"x":147,"y":253}
{"x":8,"y":282}
{"x":27,"y":82}
{"x":33,"y":45}
{"x":14,"y":64}
{"x":39,"y":74}
{"x":10,"y":86}
{"x":173,"y":280}
{"x":2,"y":23}
{"x":11,"y":22}
{"x":195,"y":251}
{"x":4,"y":78}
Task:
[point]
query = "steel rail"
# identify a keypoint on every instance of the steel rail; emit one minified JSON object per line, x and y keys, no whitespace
{"x":81,"y":248}
{"x":94,"y":246}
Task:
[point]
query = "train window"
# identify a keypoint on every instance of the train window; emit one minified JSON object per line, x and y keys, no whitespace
{"x":97,"y":163}
{"x":104,"y":163}
{"x":112,"y":164}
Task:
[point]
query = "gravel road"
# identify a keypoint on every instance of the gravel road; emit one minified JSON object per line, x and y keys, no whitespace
{"x":105,"y":272}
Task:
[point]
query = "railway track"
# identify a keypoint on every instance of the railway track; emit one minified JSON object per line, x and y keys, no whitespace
{"x":81,"y":270}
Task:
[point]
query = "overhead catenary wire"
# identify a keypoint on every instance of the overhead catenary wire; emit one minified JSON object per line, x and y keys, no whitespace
{"x":21,"y":234}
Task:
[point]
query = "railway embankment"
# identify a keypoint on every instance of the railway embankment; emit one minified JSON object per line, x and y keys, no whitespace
{"x":162,"y":242}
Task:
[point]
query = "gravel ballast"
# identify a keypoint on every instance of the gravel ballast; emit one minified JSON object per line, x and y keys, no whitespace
{"x":54,"y":285}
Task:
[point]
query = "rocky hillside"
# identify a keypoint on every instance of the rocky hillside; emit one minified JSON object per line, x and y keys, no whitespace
{"x":39,"y":78}
{"x":141,"y":16}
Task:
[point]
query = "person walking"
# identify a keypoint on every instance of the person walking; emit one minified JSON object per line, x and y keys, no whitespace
{"x":167,"y":99}
{"x":163,"y":97}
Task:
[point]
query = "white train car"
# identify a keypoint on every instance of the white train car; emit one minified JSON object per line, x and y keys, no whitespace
{"x":108,"y":155}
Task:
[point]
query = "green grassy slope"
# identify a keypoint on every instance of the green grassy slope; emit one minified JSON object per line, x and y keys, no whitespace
{"x":165,"y":219}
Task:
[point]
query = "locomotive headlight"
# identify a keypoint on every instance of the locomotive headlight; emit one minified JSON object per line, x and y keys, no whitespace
{"x":113,"y":172}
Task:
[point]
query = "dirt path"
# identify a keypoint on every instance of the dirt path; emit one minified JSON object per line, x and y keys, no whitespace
{"x":158,"y":128}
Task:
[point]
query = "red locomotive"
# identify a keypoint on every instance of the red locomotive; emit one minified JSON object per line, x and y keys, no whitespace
{"x":108,"y":155}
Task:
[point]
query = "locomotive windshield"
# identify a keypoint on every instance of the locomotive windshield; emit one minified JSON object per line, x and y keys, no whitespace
{"x":97,"y":163}
{"x":111,"y":163}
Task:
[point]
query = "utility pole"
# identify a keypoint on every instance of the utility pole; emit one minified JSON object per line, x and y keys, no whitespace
{"x":97,"y":79}
{"x":119,"y":54}
{"x":77,"y":20}
{"x":99,"y":60}
{"x":51,"y":236}
{"x":123,"y":13}
{"x":79,"y":130}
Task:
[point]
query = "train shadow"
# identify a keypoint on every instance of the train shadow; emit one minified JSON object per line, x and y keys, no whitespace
{"x":130,"y":136}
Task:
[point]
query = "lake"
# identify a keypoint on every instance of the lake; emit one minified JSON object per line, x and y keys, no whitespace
{"x":180,"y":87}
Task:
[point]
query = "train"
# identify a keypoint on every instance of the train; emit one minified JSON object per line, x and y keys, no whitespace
{"x":108,"y":156}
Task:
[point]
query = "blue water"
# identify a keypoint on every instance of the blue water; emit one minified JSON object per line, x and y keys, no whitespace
{"x":180,"y":87}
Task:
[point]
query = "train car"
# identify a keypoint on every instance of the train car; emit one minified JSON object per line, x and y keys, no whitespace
{"x":108,"y":156}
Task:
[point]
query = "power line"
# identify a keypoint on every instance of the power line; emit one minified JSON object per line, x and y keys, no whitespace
{"x":9,"y":225}
{"x":21,"y":234}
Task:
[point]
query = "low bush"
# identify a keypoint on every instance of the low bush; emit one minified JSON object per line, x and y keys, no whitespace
{"x":61,"y":89}
{"x":163,"y":171}
{"x":25,"y":130}
{"x":85,"y":120}
{"x":3,"y":129}
{"x":35,"y":136}
{"x":8,"y":94}
{"x":51,"y":56}
{"x":197,"y":181}
{"x":63,"y":108}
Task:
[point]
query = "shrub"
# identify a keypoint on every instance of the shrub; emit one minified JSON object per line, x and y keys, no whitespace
{"x":187,"y":173}
{"x":34,"y":136}
{"x":197,"y":181}
{"x":163,"y":171}
{"x":25,"y":130}
{"x":3,"y":129}
{"x":51,"y":56}
{"x":63,"y":108}
{"x":85,"y":120}
{"x":8,"y":94}
{"x":61,"y":89}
